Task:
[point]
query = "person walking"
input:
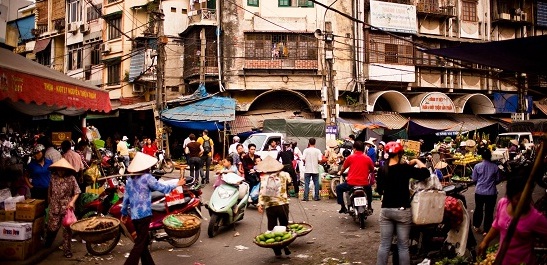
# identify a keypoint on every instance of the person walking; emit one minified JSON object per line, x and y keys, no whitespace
{"x":63,"y":193}
{"x":486,"y":175}
{"x":208,"y":147}
{"x":137,"y":203}
{"x":360,"y":166}
{"x":287,"y":158}
{"x":273,"y":196}
{"x":194,"y":151}
{"x":395,"y":216}
{"x":311,"y":158}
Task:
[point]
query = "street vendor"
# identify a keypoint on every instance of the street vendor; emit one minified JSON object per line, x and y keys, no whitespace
{"x":273,"y":195}
{"x":137,"y":202}
{"x":63,"y":193}
{"x":445,"y":148}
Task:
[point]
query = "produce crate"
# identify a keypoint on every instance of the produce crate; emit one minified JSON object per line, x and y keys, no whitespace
{"x":411,"y":145}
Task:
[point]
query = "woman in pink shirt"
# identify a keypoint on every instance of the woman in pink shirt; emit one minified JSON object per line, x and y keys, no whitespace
{"x":532,"y":224}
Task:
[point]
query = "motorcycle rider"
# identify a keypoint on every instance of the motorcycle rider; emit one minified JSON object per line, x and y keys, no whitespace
{"x":360,"y":166}
{"x":137,"y":202}
{"x":249,"y":162}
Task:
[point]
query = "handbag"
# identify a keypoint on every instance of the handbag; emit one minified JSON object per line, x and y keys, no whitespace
{"x":69,"y":218}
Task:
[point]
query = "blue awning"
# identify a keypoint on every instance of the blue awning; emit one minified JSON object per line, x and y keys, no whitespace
{"x":209,"y":113}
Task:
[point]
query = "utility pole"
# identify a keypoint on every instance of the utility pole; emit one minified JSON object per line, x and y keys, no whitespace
{"x":160,"y":86}
{"x":522,"y":87}
{"x":330,"y":106}
{"x":202,"y":50}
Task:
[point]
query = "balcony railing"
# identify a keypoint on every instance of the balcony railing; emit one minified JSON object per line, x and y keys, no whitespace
{"x":40,"y":28}
{"x":203,"y":16}
{"x":425,"y":8}
{"x":281,"y":64}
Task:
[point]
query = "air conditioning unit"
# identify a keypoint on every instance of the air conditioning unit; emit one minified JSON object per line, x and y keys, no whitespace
{"x":72,"y":27}
{"x":84,"y":28}
{"x":105,"y":48}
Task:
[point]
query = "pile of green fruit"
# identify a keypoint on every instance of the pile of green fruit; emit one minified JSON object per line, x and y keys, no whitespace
{"x":297,"y":228}
{"x":273,"y":237}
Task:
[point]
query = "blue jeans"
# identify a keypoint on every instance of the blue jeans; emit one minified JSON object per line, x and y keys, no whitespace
{"x":315,"y":178}
{"x":399,"y":221}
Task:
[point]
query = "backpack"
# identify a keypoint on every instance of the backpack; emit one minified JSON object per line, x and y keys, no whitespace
{"x":206,"y":146}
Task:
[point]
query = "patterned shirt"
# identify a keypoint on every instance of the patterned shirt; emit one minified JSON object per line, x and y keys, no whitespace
{"x":62,"y":189}
{"x":138,"y":197}
{"x":273,"y":189}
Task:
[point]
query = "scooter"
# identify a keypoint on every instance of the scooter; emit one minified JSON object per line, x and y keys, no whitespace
{"x":164,"y":163}
{"x":111,"y":163}
{"x":357,"y":203}
{"x":228,"y":203}
{"x":160,"y":209}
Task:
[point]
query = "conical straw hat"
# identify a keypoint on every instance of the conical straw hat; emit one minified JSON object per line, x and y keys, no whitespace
{"x":141,"y":162}
{"x":62,"y":164}
{"x":440,"y":165}
{"x":332,"y":143}
{"x":269,"y":164}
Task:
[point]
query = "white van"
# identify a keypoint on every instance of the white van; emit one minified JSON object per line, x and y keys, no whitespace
{"x":502,"y":144}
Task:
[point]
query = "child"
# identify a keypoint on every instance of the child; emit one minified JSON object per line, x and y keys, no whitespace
{"x":228,"y":167}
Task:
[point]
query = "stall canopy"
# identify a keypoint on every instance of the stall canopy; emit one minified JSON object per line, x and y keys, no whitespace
{"x":24,"y":80}
{"x":522,"y":55}
{"x":209,"y":113}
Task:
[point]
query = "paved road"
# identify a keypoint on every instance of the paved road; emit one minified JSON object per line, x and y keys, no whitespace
{"x":336,"y":239}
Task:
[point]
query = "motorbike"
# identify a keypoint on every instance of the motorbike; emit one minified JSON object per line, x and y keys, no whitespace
{"x":164,"y":163}
{"x":111,"y":163}
{"x":228,"y":203}
{"x":440,"y":240}
{"x":357,"y":203}
{"x":160,"y":209}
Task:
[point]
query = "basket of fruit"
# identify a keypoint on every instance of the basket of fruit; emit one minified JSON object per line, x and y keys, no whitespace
{"x":459,"y":179}
{"x":181,"y":225}
{"x":97,"y":229}
{"x":271,"y":239}
{"x":300,"y":229}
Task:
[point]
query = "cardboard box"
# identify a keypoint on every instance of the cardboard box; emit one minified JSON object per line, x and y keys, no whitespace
{"x":7,"y":215}
{"x":30,"y":209}
{"x":38,"y":226}
{"x":17,"y":250}
{"x":13,"y":230}
{"x":10,"y":204}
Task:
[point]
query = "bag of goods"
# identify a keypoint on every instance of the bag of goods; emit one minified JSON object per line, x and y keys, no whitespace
{"x":181,"y":220}
{"x":453,"y":212}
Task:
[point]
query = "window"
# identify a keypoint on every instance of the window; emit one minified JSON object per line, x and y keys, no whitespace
{"x":252,"y":2}
{"x":386,"y":49}
{"x":469,"y":11}
{"x":280,"y":46}
{"x":74,"y":11}
{"x":114,"y":73}
{"x":96,"y":55}
{"x":74,"y":58}
{"x":305,"y":3}
{"x":173,"y":9}
{"x":94,"y":12}
{"x":284,"y":2}
{"x":114,"y":26}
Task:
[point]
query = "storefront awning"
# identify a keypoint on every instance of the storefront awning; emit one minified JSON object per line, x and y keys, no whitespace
{"x":522,"y":55}
{"x":41,"y":45}
{"x":209,"y":113}
{"x":24,"y":80}
{"x":541,"y":105}
{"x":253,"y":120}
{"x":391,"y":121}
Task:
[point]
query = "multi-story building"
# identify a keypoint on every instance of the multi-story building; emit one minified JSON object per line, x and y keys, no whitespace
{"x":17,"y":32}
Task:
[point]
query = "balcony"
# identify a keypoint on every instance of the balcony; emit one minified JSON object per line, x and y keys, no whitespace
{"x":192,"y":67}
{"x":430,"y":10}
{"x":202,"y":17}
{"x":520,"y":18}
{"x":283,"y":64}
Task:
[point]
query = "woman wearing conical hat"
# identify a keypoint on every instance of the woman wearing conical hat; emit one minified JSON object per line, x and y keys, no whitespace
{"x":63,"y":193}
{"x":273,"y":195}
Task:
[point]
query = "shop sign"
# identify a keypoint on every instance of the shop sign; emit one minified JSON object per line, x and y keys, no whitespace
{"x":437,"y":102}
{"x":56,"y":117}
{"x":58,"y":137}
{"x":39,"y":118}
{"x":393,"y":17}
{"x":331,"y":129}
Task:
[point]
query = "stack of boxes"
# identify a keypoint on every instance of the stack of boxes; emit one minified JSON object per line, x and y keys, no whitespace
{"x":22,"y":225}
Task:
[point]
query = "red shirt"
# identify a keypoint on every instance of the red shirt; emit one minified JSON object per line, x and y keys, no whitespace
{"x":360,"y":165}
{"x":150,"y":150}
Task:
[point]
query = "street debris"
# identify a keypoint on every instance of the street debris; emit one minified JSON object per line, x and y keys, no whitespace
{"x":302,"y":256}
{"x":236,"y":234}
{"x":240,"y":248}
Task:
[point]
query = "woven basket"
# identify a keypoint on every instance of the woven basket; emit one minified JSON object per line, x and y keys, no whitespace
{"x":96,"y":236}
{"x":281,"y":244}
{"x":307,"y":229}
{"x":182,"y":232}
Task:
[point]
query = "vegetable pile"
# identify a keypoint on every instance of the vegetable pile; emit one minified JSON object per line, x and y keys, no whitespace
{"x":273,"y":237}
{"x":453,"y":212}
{"x":179,"y":221}
{"x":98,"y":225}
{"x":297,"y":228}
{"x":490,"y":256}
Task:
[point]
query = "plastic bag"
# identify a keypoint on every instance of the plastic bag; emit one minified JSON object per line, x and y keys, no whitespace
{"x":69,"y":218}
